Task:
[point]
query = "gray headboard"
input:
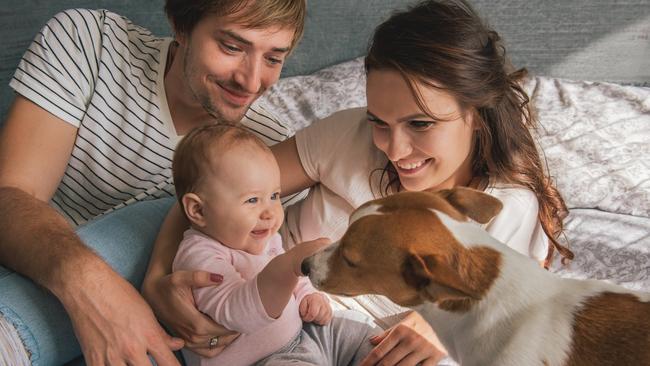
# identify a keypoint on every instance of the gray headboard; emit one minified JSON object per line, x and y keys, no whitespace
{"x":577,"y":39}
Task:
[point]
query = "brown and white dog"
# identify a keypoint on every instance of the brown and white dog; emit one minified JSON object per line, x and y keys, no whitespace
{"x":488,"y":304}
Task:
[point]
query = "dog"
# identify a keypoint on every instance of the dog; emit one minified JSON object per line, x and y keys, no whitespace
{"x":488,"y":304}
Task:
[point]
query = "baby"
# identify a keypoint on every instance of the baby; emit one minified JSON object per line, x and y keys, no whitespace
{"x":228,"y":184}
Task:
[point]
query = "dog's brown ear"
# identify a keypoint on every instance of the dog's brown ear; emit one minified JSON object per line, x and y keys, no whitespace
{"x":477,"y":205}
{"x":435,"y":279}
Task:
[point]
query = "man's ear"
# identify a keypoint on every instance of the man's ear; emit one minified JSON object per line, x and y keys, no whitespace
{"x":435,"y":279}
{"x":193,"y":207}
{"x":477,"y":205}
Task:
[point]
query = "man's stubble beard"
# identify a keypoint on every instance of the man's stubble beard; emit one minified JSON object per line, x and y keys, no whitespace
{"x":203,"y":97}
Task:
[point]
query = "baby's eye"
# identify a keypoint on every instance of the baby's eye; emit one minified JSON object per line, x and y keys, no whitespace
{"x":252,"y":200}
{"x":275,"y":196}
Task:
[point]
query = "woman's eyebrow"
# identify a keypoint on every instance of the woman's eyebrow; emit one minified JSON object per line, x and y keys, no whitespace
{"x":410,"y":117}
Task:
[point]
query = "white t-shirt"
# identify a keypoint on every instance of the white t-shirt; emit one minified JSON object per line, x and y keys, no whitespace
{"x":339,"y":153}
{"x":104,"y":75}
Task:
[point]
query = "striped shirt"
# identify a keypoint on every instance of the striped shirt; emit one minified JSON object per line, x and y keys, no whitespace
{"x":101,"y":73}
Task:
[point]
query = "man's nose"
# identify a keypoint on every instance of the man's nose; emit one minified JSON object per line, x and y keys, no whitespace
{"x":248,"y":74}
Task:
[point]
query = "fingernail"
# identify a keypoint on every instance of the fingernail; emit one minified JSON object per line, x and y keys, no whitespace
{"x":216,"y":277}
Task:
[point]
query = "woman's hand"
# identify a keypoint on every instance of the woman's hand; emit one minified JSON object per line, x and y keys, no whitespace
{"x":171,"y":298}
{"x":408,"y":343}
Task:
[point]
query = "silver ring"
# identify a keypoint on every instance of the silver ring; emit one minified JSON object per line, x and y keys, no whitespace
{"x":213,"y":342}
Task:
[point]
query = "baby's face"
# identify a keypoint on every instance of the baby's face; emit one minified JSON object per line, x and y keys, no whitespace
{"x":241,"y":198}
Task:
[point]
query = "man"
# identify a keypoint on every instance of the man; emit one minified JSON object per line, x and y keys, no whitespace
{"x":99,"y":108}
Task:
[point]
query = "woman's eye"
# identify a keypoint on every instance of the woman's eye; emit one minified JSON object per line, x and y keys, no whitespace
{"x":421,"y":125}
{"x":377,"y":123}
{"x":252,"y":200}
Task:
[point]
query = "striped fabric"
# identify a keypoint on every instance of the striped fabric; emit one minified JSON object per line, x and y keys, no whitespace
{"x":99,"y":72}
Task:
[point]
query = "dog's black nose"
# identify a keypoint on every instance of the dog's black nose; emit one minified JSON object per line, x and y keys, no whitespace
{"x":304,"y":267}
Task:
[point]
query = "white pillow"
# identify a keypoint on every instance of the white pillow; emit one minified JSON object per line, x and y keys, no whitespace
{"x":300,"y":100}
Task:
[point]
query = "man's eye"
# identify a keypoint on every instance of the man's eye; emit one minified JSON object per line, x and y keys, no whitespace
{"x":230,"y":48}
{"x":275,"y":61}
{"x":252,"y":200}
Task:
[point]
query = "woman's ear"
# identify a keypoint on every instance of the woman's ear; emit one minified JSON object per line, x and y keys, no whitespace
{"x":472,"y":117}
{"x":193,"y":207}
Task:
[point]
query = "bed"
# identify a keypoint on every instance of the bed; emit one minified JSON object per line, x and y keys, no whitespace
{"x":594,"y":136}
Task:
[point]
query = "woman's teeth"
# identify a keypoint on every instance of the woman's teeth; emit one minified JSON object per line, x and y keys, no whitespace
{"x":410,"y":166}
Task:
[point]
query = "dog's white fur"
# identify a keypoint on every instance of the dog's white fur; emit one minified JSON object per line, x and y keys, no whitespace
{"x":514,"y":330}
{"x":526,"y":317}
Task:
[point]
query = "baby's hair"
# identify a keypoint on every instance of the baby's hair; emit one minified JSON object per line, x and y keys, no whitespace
{"x":195,"y":152}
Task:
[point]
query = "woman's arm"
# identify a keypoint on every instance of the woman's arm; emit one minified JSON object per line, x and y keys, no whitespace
{"x":170,"y":294}
{"x":409,"y":342}
{"x":293,"y":177}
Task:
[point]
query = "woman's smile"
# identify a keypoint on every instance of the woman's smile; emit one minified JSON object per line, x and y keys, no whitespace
{"x":410,"y":168}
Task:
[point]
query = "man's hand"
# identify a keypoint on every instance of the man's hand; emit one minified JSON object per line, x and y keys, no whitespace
{"x":114,"y":324}
{"x":171,"y":298}
{"x":315,"y":308}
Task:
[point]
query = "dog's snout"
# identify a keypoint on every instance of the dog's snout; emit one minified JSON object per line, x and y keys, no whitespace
{"x":304,"y":267}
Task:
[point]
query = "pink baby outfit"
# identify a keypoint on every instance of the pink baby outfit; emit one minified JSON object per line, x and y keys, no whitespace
{"x":236,"y":303}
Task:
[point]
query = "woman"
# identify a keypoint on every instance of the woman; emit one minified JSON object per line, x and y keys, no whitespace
{"x":443,"y":110}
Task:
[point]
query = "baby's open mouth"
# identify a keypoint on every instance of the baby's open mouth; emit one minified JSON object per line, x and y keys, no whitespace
{"x":261,"y":232}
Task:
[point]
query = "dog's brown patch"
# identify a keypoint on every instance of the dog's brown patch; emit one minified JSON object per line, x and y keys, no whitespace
{"x":611,"y":329}
{"x":479,"y":268}
{"x":479,"y":206}
{"x":455,"y":281}
{"x":419,"y":201}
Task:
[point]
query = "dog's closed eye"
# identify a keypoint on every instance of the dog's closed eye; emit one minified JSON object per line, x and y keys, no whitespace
{"x":349,"y":262}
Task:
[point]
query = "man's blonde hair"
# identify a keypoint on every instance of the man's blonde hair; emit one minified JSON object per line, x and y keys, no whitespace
{"x":258,"y":14}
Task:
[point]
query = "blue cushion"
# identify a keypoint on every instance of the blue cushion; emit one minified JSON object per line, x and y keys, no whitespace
{"x":123,"y":238}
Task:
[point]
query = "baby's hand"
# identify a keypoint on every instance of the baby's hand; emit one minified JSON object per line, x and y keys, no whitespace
{"x":315,"y":308}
